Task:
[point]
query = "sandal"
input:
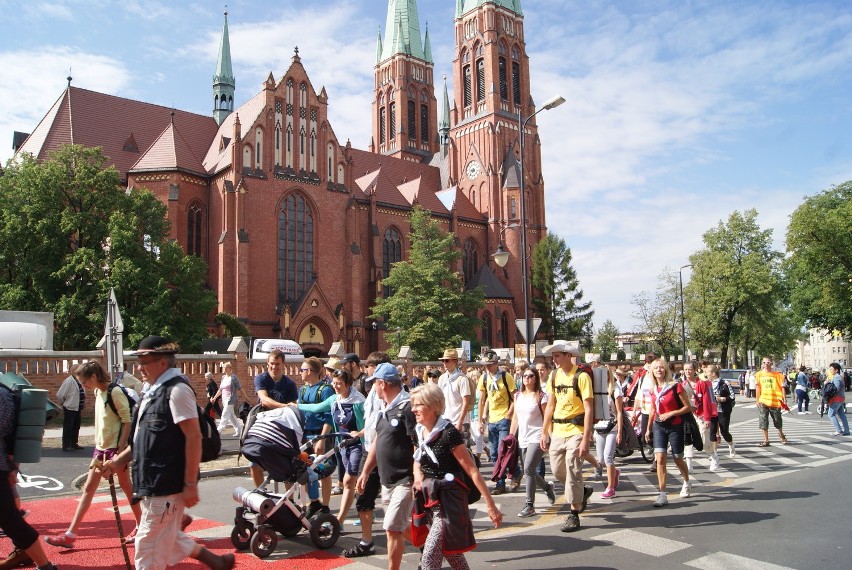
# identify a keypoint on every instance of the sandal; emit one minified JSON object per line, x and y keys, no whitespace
{"x":784,"y":441}
{"x":763,"y":444}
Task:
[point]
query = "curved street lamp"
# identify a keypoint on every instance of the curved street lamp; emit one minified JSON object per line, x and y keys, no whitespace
{"x":551,"y":103}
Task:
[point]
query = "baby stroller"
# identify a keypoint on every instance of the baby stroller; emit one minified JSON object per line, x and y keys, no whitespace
{"x":272,"y":442}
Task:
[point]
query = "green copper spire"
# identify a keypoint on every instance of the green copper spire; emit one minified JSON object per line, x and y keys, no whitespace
{"x":445,"y":112}
{"x":402,"y":30}
{"x":224,"y":83}
{"x":427,"y":47}
{"x":465,"y":6}
{"x":379,"y":47}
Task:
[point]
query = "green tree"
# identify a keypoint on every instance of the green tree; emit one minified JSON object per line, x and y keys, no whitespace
{"x":559,"y":299}
{"x":819,"y":266}
{"x":738,"y":286}
{"x":659,"y":316}
{"x":429,"y":304}
{"x":606,"y":341}
{"x":232,"y":325}
{"x":69,"y":231}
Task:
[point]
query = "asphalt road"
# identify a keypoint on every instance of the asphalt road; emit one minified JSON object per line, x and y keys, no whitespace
{"x":767,"y":508}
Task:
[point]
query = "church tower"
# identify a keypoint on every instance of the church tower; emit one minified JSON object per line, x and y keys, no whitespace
{"x":404,"y":108}
{"x":492,"y":90}
{"x":223,"y":81}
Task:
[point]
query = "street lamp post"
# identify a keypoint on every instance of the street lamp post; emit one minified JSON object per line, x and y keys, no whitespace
{"x":682,"y":319}
{"x":522,"y":124}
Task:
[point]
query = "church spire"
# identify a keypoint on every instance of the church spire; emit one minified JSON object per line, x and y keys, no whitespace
{"x":444,"y":125}
{"x":427,"y":46}
{"x":224,"y":83}
{"x":402,"y":31}
{"x":379,"y":47}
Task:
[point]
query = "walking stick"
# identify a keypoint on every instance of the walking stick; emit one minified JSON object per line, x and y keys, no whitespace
{"x":118,"y":520}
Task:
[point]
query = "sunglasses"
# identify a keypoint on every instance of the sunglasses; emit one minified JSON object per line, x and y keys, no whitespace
{"x":304,"y":369}
{"x":529,"y":375}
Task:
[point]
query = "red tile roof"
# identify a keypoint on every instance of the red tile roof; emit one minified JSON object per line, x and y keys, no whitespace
{"x":90,"y":118}
{"x":397,"y":181}
{"x":170,"y":152}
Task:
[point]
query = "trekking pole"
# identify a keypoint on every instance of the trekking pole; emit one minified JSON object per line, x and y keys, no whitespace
{"x":118,"y":520}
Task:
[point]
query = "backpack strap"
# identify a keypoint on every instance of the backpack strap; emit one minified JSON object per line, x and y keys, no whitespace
{"x":109,"y":401}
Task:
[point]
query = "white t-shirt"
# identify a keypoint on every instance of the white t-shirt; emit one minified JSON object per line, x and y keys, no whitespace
{"x":225,"y":387}
{"x":181,"y":403}
{"x":530,"y":420}
{"x":455,"y":386}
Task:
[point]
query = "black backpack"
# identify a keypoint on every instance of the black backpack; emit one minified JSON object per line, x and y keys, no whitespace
{"x":131,"y":401}
{"x":211,"y":442}
{"x":829,"y":390}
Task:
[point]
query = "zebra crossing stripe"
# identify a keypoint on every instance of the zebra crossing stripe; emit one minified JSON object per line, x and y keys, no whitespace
{"x":644,"y":543}
{"x":728,"y":561}
{"x":750,"y":463}
{"x":778,"y":457}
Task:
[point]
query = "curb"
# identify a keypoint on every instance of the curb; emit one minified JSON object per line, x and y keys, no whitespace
{"x":80,"y":480}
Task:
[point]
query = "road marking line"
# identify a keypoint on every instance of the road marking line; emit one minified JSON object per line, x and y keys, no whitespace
{"x":777,"y":457}
{"x":749,"y":463}
{"x":727,"y":561}
{"x":644,"y":543}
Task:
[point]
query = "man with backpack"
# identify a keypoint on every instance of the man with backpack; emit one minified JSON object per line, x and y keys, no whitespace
{"x":165,"y":482}
{"x":313,"y":391}
{"x":567,"y":430}
{"x":496,"y":408}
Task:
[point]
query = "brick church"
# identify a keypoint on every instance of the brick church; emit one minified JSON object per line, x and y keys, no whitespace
{"x":298,"y":228}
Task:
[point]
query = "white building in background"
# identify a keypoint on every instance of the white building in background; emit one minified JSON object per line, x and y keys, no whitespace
{"x":822,"y":348}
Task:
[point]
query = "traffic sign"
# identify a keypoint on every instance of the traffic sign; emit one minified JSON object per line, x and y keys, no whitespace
{"x":522,"y":326}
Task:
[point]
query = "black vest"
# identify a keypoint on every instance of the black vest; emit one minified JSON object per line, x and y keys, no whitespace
{"x":159,"y":450}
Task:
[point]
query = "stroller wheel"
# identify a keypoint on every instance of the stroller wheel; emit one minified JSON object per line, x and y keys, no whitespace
{"x":325,"y":530}
{"x":241,"y":535}
{"x":264,"y":541}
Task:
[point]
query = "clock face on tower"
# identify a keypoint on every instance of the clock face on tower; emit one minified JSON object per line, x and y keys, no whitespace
{"x":473,"y":169}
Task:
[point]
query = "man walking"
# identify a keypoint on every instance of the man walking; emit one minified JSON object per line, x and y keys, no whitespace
{"x":396,"y":438}
{"x":313,"y":391}
{"x":567,"y":430}
{"x":497,"y":406}
{"x":770,"y":397}
{"x":456,"y":388}
{"x":274,"y":390}
{"x":166,"y":452}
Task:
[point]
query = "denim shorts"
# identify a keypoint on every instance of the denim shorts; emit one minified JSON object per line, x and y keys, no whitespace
{"x":352,"y":459}
{"x":666,"y":435}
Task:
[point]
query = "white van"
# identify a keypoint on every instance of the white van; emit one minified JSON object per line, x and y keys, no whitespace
{"x":261,"y":347}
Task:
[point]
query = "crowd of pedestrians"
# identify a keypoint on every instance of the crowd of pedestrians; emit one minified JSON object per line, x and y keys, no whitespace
{"x":422,"y":439}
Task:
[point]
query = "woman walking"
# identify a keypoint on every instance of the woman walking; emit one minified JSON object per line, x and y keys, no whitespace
{"x":527,"y":422}
{"x":112,"y":426}
{"x":725,"y":404}
{"x":608,"y":438}
{"x":665,"y":426}
{"x":440,"y":460}
{"x":229,"y":387}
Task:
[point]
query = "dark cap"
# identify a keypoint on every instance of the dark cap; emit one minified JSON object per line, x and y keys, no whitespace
{"x":350,"y":357}
{"x":156,"y":345}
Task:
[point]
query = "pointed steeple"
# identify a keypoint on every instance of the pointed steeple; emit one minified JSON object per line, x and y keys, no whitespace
{"x":224,"y":83}
{"x":444,"y":125}
{"x":379,"y":47}
{"x":402,"y":30}
{"x":427,"y":46}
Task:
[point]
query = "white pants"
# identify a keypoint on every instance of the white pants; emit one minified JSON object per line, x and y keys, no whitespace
{"x":230,"y":418}
{"x":159,"y":540}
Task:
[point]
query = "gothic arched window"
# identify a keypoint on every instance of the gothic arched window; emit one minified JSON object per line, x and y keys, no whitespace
{"x":391,"y":253}
{"x":470,"y":259}
{"x":504,"y":324}
{"x":194,"y":229}
{"x":480,"y":80}
{"x":487,"y":329}
{"x":295,"y":249}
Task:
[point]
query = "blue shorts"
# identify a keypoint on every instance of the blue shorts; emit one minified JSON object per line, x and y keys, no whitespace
{"x":352,"y":459}
{"x":666,"y":435}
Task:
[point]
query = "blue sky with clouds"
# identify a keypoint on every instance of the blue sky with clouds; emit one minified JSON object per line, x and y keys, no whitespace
{"x":677,"y":113}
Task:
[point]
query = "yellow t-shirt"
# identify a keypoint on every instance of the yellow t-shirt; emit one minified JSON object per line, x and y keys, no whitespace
{"x":770,"y":388}
{"x":499,"y":399}
{"x":568,"y":405}
{"x":107,"y":424}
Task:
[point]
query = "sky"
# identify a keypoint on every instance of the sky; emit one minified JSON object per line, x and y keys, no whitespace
{"x":678,"y":113}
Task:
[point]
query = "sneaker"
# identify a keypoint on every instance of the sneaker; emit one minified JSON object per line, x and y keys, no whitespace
{"x":185,"y":521}
{"x":731,"y":451}
{"x":836,"y":433}
{"x":689,"y":466}
{"x":686,"y":490}
{"x":714,"y":464}
{"x":806,"y":412}
{"x":15,"y":559}
{"x":653,"y":467}
{"x":359,"y":550}
{"x":325,"y":510}
{"x":529,"y":511}
{"x":587,"y":492}
{"x":572,"y":523}
{"x":498,"y":490}
{"x":608,"y":494}
{"x":63,"y":540}
{"x":551,"y":492}
{"x":617,"y":478}
{"x":314,"y":508}
{"x":132,"y":536}
{"x":662,"y":500}
{"x":337,"y":490}
{"x":598,"y":472}
{"x":513,"y":486}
